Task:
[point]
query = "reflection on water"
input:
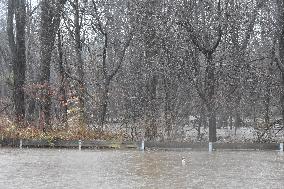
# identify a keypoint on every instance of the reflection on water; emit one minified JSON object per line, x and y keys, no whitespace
{"x":50,"y":168}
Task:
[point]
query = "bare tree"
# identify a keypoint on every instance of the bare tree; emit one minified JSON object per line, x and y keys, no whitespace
{"x":280,"y":34}
{"x":18,"y":51}
{"x":208,"y":48}
{"x":50,"y":20}
{"x":240,"y":45}
{"x":62,"y":77}
{"x":112,"y":47}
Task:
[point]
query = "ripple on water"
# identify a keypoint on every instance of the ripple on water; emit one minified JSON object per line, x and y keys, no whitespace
{"x":51,"y":168}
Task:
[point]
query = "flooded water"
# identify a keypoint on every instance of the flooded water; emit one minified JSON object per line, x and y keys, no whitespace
{"x":53,"y":168}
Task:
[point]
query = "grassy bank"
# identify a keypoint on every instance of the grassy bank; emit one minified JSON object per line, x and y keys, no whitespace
{"x":72,"y":132}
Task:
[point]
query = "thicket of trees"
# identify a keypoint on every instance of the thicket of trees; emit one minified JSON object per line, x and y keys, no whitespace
{"x":151,"y":66}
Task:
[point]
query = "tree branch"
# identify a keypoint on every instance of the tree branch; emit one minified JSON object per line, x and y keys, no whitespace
{"x":126,"y":45}
{"x":249,"y":30}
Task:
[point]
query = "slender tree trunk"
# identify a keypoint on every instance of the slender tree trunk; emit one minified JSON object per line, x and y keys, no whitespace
{"x":237,"y":120}
{"x":231,"y":121}
{"x":167,"y":108}
{"x":254,"y":115}
{"x":280,"y":4}
{"x":151,"y":127}
{"x":239,"y":61}
{"x":267,"y":104}
{"x":203,"y":117}
{"x":199,"y":129}
{"x":80,"y":62}
{"x":62,"y":88}
{"x":282,"y":95}
{"x":104,"y":103}
{"x":30,"y":98}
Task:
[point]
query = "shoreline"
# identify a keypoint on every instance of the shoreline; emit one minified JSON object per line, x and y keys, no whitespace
{"x":104,"y":144}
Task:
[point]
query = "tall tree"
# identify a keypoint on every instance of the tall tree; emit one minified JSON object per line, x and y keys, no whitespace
{"x":112,"y":27}
{"x":280,"y":34}
{"x":151,"y":53}
{"x":78,"y":25}
{"x":17,"y":8}
{"x":50,"y":20}
{"x":240,"y":41}
{"x":207,"y":48}
{"x":62,"y":77}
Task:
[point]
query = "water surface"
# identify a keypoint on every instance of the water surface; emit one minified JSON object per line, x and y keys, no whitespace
{"x":53,"y":168}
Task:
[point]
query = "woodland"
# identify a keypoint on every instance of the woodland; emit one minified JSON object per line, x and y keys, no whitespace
{"x":140,"y":68}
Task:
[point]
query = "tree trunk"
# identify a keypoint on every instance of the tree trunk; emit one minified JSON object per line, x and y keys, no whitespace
{"x":281,"y":52}
{"x":80,"y":62}
{"x":282,"y":95}
{"x":212,"y":126}
{"x":50,"y":20}
{"x":47,"y":41}
{"x":199,"y":129}
{"x":203,"y":117}
{"x":231,"y":121}
{"x":210,"y":71}
{"x":267,"y":103}
{"x":104,"y":104}
{"x":18,"y":50}
{"x":151,"y":127}
{"x":167,"y":108}
{"x":62,"y":88}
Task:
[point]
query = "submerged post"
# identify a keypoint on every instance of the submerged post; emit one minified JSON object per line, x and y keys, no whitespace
{"x":80,"y":144}
{"x":21,"y":143}
{"x":281,"y":147}
{"x":210,"y":147}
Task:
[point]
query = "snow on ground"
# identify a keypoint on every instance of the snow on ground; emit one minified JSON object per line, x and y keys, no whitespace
{"x":189,"y":133}
{"x":243,"y":134}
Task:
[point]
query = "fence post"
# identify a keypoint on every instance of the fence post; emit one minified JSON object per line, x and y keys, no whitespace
{"x":281,"y":147}
{"x":142,"y":147}
{"x":21,"y":143}
{"x":80,"y":144}
{"x":210,"y":147}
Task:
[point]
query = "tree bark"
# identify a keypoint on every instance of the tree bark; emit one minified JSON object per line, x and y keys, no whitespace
{"x":167,"y":107}
{"x":151,"y":125}
{"x":104,"y":103}
{"x":210,"y":97}
{"x":62,"y":88}
{"x":50,"y":20}
{"x":280,"y":4}
{"x":18,"y":50}
{"x":80,"y":62}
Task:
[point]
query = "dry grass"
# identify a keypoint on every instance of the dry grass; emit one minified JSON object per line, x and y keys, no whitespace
{"x":73,"y":132}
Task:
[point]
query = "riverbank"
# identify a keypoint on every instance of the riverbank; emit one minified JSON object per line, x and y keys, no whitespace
{"x":59,"y":143}
{"x":151,"y":145}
